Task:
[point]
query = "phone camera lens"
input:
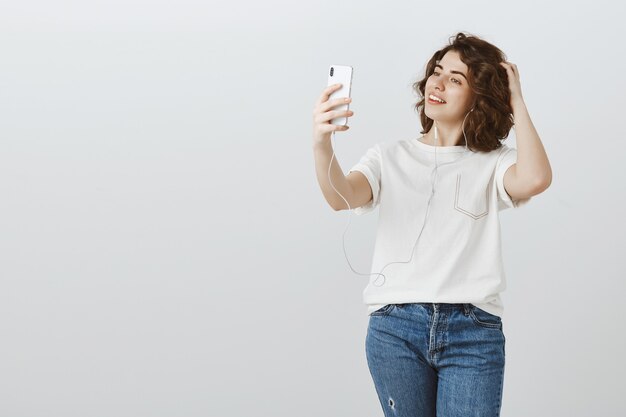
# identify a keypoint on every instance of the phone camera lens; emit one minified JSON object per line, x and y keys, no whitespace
{"x":332,"y":70}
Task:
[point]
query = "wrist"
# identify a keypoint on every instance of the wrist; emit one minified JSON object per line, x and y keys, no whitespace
{"x":322,"y":145}
{"x":517,"y":104}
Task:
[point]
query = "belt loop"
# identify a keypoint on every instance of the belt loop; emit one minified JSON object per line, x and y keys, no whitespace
{"x":466,"y":308}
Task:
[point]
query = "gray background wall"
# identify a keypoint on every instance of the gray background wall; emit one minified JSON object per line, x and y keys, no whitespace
{"x":165,"y":249}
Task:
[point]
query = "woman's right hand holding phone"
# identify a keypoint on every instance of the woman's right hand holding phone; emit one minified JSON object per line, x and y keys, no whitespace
{"x":323,"y":113}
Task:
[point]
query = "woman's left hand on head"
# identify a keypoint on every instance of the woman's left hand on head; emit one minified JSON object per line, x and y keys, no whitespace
{"x":514,"y":83}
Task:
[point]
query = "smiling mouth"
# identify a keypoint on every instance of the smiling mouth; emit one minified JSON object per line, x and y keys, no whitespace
{"x":435,"y":100}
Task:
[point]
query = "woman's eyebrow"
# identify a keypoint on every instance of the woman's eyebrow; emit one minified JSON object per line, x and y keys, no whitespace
{"x":452,"y":71}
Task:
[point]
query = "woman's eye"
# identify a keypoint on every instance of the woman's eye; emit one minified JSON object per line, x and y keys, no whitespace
{"x":454,"y":79}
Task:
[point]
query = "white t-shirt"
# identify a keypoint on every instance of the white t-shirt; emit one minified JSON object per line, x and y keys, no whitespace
{"x":458,"y":258}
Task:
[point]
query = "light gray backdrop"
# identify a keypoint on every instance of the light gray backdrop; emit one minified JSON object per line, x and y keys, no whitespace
{"x":165,"y":249}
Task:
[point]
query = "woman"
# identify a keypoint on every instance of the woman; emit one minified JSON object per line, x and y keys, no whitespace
{"x":435,"y":343}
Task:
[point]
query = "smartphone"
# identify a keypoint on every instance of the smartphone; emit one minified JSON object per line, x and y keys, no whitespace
{"x":340,"y":74}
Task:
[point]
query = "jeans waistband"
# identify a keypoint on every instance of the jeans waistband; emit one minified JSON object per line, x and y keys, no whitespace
{"x":446,"y":306}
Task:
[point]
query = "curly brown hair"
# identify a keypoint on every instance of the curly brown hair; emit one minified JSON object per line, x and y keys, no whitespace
{"x":492,"y":118}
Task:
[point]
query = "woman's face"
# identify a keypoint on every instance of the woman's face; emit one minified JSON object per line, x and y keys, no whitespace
{"x":449,"y":82}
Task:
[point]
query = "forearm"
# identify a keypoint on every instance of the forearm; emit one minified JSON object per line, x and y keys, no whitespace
{"x":323,"y":154}
{"x":532,"y":161}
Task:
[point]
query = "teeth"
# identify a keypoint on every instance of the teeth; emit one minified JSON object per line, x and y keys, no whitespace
{"x":436,"y":99}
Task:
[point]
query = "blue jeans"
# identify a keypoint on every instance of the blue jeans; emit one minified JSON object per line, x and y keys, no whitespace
{"x":436,"y":360}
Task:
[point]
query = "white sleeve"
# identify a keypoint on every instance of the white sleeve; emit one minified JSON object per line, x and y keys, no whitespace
{"x":507,"y":158}
{"x":370,"y":165}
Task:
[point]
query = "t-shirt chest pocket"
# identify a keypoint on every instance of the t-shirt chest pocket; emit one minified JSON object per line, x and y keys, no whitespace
{"x":471,"y":198}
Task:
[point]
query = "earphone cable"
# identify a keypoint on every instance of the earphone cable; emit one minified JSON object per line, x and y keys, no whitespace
{"x":434,"y":175}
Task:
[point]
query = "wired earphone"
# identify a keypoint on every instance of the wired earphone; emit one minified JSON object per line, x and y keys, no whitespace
{"x":433,"y":181}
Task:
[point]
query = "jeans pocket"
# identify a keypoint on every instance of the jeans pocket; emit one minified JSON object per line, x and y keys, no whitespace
{"x":384,"y":310}
{"x":484,"y":319}
{"x":470,"y":199}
